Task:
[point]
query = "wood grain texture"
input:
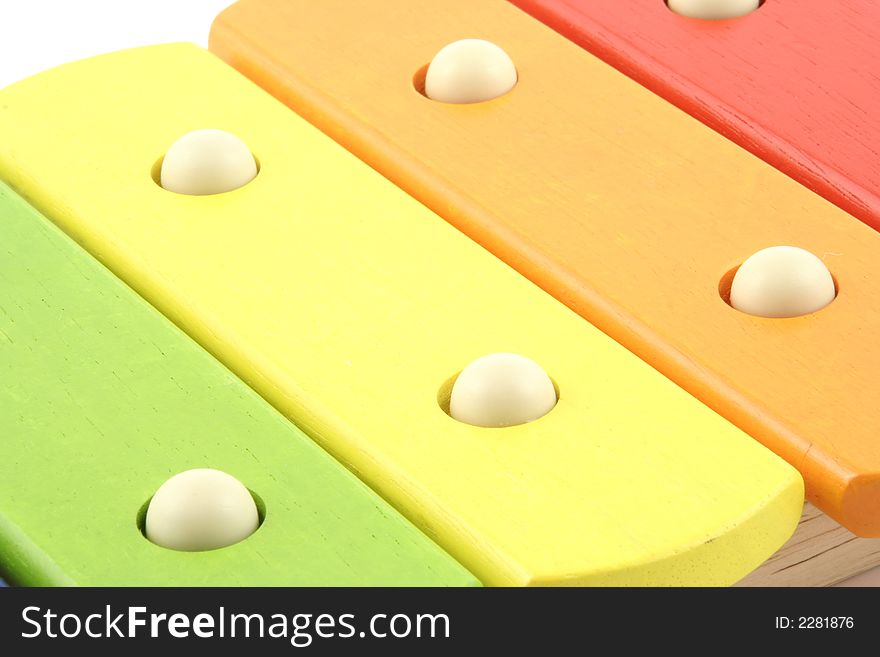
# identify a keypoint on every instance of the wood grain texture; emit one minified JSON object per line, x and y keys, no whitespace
{"x":102,"y":399}
{"x":349,"y":306}
{"x":619,"y":204}
{"x":821,"y":553}
{"x":796,"y":82}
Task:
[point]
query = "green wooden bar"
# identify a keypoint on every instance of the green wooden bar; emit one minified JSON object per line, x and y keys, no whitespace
{"x":102,"y":399}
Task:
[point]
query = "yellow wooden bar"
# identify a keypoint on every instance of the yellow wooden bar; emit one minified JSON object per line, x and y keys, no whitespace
{"x":350,"y":306}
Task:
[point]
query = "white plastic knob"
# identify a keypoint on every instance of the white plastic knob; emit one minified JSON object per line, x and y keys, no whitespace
{"x":782,"y":281}
{"x":501,"y":390}
{"x":207,"y":162}
{"x":201,"y":509}
{"x":713,"y":9}
{"x":469,"y":71}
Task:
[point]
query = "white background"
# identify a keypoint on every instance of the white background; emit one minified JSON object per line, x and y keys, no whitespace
{"x":39,"y":34}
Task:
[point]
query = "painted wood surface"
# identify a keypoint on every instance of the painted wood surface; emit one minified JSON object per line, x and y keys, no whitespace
{"x":350,"y":306}
{"x":622,"y":206}
{"x":102,"y":399}
{"x":796,"y":82}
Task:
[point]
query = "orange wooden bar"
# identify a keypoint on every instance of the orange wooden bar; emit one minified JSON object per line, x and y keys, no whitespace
{"x":796,"y":82}
{"x":619,"y":204}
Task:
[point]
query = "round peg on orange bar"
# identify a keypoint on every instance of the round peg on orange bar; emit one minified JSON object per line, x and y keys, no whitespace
{"x":469,"y":71}
{"x":782,"y":281}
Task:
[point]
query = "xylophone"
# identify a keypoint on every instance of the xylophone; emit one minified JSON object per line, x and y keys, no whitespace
{"x":491,"y":320}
